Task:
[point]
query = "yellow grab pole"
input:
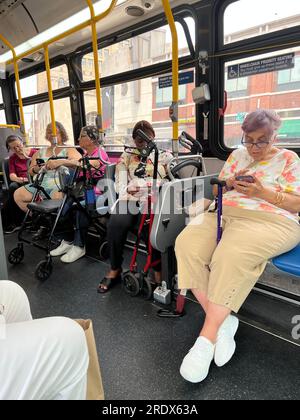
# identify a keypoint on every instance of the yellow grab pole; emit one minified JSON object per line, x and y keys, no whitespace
{"x":99,"y":119}
{"x":175,"y":75}
{"x":47,"y":63}
{"x":71,"y":31}
{"x":16,"y":69}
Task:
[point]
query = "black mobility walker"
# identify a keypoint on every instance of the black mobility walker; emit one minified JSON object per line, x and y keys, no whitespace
{"x":78,"y":189}
{"x":42,"y":208}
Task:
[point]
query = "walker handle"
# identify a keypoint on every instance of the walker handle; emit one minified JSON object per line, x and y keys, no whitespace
{"x":217,"y":181}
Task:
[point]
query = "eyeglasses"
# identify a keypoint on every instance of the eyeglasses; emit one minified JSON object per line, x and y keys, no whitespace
{"x":262,"y":144}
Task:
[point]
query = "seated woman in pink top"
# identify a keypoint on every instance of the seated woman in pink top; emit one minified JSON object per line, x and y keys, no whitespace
{"x":71,"y":251}
{"x":18,"y":177}
{"x":261,"y":203}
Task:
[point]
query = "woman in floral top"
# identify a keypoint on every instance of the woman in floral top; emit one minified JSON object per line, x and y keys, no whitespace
{"x":260,"y":221}
{"x":132,"y":189}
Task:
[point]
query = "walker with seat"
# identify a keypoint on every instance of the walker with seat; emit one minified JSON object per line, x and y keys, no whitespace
{"x":42,"y":206}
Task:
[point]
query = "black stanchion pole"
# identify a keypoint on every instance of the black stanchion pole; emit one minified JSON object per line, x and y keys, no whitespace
{"x":3,"y":265}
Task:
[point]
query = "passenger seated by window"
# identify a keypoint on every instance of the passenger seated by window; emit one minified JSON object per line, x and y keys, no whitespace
{"x":41,"y":359}
{"x":23,"y":195}
{"x":130,"y":189}
{"x":260,"y":221}
{"x":12,"y":215}
{"x":72,"y":250}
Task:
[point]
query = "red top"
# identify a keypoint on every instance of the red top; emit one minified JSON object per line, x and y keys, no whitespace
{"x":18,"y":166}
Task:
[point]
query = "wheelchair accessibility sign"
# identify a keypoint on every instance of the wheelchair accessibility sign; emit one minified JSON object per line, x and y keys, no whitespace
{"x":266,"y":65}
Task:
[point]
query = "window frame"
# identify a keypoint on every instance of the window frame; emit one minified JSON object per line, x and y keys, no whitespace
{"x":154,"y":70}
{"x":262,"y":44}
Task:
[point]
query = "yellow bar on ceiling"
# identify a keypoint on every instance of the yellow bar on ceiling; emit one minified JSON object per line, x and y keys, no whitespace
{"x":50,"y":93}
{"x":65,"y":34}
{"x":94,"y":20}
{"x":175,"y":74}
{"x":15,"y":62}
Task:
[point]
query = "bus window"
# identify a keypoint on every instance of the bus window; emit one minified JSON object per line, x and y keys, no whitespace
{"x":269,"y":81}
{"x":1,"y":97}
{"x":140,"y":51}
{"x":37,"y":83}
{"x":37,"y":117}
{"x":2,"y":117}
{"x":246,"y":19}
{"x":125,"y":104}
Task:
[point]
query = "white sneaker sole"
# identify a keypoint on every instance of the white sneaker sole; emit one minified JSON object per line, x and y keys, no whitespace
{"x":231,"y":354}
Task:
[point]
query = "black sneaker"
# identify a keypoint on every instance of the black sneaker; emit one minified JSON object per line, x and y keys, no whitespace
{"x":11,"y":229}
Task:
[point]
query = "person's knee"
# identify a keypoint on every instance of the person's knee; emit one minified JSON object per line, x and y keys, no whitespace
{"x":22,"y":195}
{"x":56,"y":195}
{"x":181,"y":244}
{"x":72,"y":344}
{"x":15,"y":302}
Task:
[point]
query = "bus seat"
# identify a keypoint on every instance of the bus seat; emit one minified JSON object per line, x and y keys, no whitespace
{"x":289,"y":262}
{"x":45,"y":206}
{"x":5,"y":171}
{"x":108,"y":189}
{"x":171,"y":217}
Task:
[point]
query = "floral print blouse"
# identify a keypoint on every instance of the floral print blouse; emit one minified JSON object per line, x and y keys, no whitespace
{"x":281,"y":173}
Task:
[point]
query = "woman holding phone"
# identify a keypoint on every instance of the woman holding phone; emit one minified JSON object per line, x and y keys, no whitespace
{"x":261,"y":203}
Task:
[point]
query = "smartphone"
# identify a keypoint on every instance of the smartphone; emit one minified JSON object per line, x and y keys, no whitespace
{"x":245,"y":178}
{"x":40,"y":162}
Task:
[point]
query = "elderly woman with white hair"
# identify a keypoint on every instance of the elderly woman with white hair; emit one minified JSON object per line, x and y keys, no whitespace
{"x":260,"y":221}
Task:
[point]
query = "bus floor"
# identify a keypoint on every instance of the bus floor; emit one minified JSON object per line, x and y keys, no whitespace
{"x":140,"y":354}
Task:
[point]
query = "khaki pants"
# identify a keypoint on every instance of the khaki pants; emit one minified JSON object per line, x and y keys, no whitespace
{"x":227,"y":273}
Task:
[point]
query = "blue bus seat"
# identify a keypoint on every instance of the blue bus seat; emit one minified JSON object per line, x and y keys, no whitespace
{"x":289,"y":262}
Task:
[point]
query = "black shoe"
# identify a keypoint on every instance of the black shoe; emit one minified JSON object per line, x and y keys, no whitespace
{"x":42,"y":233}
{"x":11,"y":229}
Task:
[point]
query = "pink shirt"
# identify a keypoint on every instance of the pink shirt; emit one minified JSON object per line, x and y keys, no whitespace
{"x":99,"y":173}
{"x":18,"y":166}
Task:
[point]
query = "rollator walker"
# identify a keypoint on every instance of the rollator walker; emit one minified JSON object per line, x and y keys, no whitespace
{"x":43,"y":206}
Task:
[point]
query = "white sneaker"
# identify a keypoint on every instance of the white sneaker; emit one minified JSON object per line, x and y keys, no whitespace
{"x":63,"y":248}
{"x":225,"y":346}
{"x":73,"y":254}
{"x":196,"y":364}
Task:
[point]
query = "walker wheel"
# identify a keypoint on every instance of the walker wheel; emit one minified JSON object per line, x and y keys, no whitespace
{"x":43,"y":270}
{"x":147,"y":289}
{"x":103,"y":251}
{"x":16,"y":256}
{"x":131,"y":284}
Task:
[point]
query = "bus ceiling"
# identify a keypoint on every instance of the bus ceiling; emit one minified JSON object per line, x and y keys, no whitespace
{"x":24,"y":23}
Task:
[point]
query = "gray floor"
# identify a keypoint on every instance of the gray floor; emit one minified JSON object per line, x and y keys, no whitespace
{"x":140,"y":354}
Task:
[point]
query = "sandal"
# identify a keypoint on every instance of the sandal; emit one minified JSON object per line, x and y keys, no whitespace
{"x":109,"y":283}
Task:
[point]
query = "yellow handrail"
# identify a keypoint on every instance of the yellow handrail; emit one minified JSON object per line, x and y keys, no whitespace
{"x":65,"y":34}
{"x":50,"y":94}
{"x":9,"y":126}
{"x":175,"y":74}
{"x":94,"y":19}
{"x":15,"y":62}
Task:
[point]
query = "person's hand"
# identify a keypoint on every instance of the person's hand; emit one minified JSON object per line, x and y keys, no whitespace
{"x":255,"y":189}
{"x":22,"y":180}
{"x":138,"y":188}
{"x":52,"y":164}
{"x":231,"y":181}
